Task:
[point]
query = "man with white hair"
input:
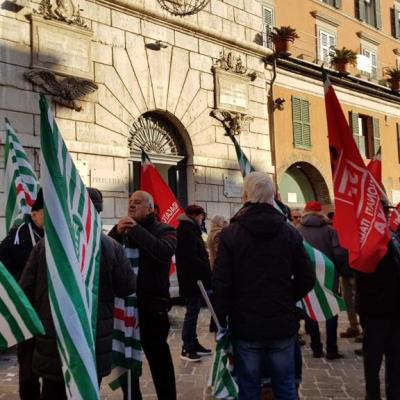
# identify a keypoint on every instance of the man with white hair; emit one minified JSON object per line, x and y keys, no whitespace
{"x":261,"y":271}
{"x":155,"y":243}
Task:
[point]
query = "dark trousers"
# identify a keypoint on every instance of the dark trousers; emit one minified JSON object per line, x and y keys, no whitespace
{"x":381,"y":337}
{"x":154,"y":329}
{"x":29,"y":385}
{"x":53,"y":390}
{"x":312,"y":329}
{"x":189,"y":335}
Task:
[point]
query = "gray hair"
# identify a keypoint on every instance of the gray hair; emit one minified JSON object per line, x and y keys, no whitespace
{"x":147,"y":197}
{"x":259,"y":188}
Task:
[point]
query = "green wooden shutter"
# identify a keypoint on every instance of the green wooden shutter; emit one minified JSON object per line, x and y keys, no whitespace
{"x":338,"y":3}
{"x":361,"y":10}
{"x":396,"y":21}
{"x":378,"y":18}
{"x":297,"y":124}
{"x":305,"y":117}
{"x":377,"y":135}
{"x":354,"y":128}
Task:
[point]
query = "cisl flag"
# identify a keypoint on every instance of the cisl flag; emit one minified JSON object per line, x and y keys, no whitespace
{"x":359,"y":218}
{"x":152,"y":182}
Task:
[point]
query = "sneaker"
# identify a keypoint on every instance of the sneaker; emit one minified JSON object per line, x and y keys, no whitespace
{"x":318,"y":354}
{"x":190,"y":356}
{"x":202,"y":351}
{"x":350,"y":333}
{"x":334,"y":356}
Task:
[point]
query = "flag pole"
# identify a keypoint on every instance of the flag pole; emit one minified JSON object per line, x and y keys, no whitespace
{"x":209,"y":305}
{"x":129,"y":377}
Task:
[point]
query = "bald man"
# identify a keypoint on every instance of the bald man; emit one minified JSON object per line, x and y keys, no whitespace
{"x":155,"y":244}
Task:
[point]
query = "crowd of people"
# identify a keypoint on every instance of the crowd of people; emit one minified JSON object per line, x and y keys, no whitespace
{"x":255,"y":269}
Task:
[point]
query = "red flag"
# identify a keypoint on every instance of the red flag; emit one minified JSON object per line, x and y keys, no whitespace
{"x":395,"y":219}
{"x":359,"y":217}
{"x":375,"y":169}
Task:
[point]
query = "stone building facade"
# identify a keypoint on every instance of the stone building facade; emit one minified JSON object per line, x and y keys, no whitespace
{"x":159,"y":77}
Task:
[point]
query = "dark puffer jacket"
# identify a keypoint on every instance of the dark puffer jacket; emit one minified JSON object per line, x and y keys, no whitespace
{"x":192,"y":263}
{"x":116,"y":279}
{"x":261,"y":271}
{"x":156,"y":242}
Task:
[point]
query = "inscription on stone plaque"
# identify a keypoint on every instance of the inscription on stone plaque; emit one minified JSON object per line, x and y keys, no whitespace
{"x":61,"y":48}
{"x":111,"y":181}
{"x":233,"y":185}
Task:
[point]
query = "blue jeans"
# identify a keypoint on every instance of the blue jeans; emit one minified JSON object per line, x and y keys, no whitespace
{"x":312,"y":329}
{"x":250,"y":357}
{"x":189,"y":335}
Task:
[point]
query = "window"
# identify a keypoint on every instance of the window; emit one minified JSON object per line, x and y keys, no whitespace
{"x":369,"y":11}
{"x":398,"y":141}
{"x":396,"y":20}
{"x":268,"y":23}
{"x":366,"y":134}
{"x":374,"y":62}
{"x":333,"y":3}
{"x":326,"y":42}
{"x":301,"y":122}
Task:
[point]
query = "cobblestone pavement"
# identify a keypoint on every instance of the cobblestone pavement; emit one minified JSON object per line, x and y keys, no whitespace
{"x":339,"y":379}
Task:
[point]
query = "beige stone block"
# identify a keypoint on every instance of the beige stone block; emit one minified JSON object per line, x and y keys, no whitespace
{"x":189,"y":91}
{"x":212,"y":150}
{"x":235,"y":208}
{"x":110,"y":121}
{"x":14,"y":30}
{"x":256,"y":64}
{"x":159,"y":64}
{"x":235,"y":30}
{"x":202,"y":192}
{"x":15,"y":53}
{"x":222,"y":9}
{"x":12,"y":75}
{"x":121,"y":207}
{"x":258,"y":109}
{"x":108,"y":35}
{"x":209,"y":20}
{"x":201,"y":123}
{"x":246,"y":19}
{"x":97,"y":13}
{"x":96,"y":161}
{"x":211,"y":99}
{"x":186,"y":41}
{"x":2,"y":223}
{"x":67,"y":128}
{"x":2,"y":180}
{"x":2,"y":202}
{"x":214,"y":176}
{"x":198,"y":105}
{"x":85,"y":115}
{"x":200,"y":62}
{"x":259,"y":156}
{"x":259,"y":125}
{"x":108,"y":207}
{"x":207,"y":81}
{"x":21,"y":122}
{"x":138,"y":58}
{"x":157,"y":32}
{"x":179,"y":70}
{"x":121,"y":165}
{"x":19,"y":100}
{"x":253,"y":7}
{"x":199,"y":174}
{"x":85,"y":132}
{"x":257,"y":94}
{"x":206,"y":136}
{"x":125,"y":22}
{"x":102,"y":53}
{"x":109,"y":137}
{"x":210,"y":49}
{"x":217,"y":208}
{"x":235,"y":3}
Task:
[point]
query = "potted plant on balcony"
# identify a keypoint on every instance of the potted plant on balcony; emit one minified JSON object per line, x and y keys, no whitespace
{"x":394,"y":78}
{"x":342,"y":58}
{"x":283,"y":37}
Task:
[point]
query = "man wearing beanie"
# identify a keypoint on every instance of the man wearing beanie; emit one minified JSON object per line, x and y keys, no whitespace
{"x":192,"y":264}
{"x":316,"y":230}
{"x":14,"y":253}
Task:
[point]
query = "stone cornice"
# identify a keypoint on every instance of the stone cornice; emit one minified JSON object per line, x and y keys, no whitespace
{"x":325,"y":18}
{"x":189,"y":27}
{"x":368,"y":38}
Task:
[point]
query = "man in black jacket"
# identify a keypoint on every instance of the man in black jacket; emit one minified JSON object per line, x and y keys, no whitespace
{"x":378,"y":304}
{"x":116,"y":278}
{"x":192,"y":264}
{"x":261,"y":271}
{"x":14,"y":253}
{"x":156,"y":243}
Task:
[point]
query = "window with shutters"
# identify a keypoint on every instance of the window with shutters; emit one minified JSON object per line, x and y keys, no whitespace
{"x":301,"y":123}
{"x":369,"y":11}
{"x":333,"y":3}
{"x":396,"y":20}
{"x":366,"y":133}
{"x":374,"y":62}
{"x":268,"y":23}
{"x":398,"y":141}
{"x":326,"y":41}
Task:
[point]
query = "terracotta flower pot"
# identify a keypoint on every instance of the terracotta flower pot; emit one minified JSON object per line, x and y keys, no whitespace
{"x":341,"y":66}
{"x":283,"y":45}
{"x":395,"y":85}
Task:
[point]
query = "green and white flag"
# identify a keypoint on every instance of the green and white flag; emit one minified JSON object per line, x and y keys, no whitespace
{"x":18,"y":319}
{"x":321,"y":303}
{"x":20,"y":182}
{"x":72,"y":240}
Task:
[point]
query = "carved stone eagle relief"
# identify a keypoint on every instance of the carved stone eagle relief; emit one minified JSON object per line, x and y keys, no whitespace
{"x":64,"y":91}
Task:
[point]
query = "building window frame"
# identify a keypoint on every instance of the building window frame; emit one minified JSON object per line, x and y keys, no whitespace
{"x":333,"y":3}
{"x":398,"y":141}
{"x":369,"y":11}
{"x":371,"y":53}
{"x":331,"y":41}
{"x":395,"y":14}
{"x":268,"y":22}
{"x":366,"y":133}
{"x":301,"y":120}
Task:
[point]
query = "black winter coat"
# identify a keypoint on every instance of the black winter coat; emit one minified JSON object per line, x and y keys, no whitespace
{"x":156,"y":242}
{"x":378,"y":294}
{"x":261,"y":271}
{"x":116,"y":279}
{"x":15,"y":255}
{"x":192,"y":263}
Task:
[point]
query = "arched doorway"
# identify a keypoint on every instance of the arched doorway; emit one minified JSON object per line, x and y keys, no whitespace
{"x":163,"y":141}
{"x":302,"y":182}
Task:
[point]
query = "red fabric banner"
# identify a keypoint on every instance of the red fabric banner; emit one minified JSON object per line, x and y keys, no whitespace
{"x":359,"y":218}
{"x":375,"y":169}
{"x":395,"y":218}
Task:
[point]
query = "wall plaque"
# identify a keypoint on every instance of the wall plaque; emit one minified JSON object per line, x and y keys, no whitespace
{"x":233,"y":185}
{"x":61,"y":48}
{"x":111,"y":181}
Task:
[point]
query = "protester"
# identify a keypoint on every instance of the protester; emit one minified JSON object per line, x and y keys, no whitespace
{"x":378,"y":304}
{"x":192,"y":264}
{"x":14,"y":253}
{"x":319,"y":234}
{"x":116,"y":278}
{"x":156,"y":242}
{"x":261,"y":271}
{"x":296,"y":216}
{"x":218,"y":222}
